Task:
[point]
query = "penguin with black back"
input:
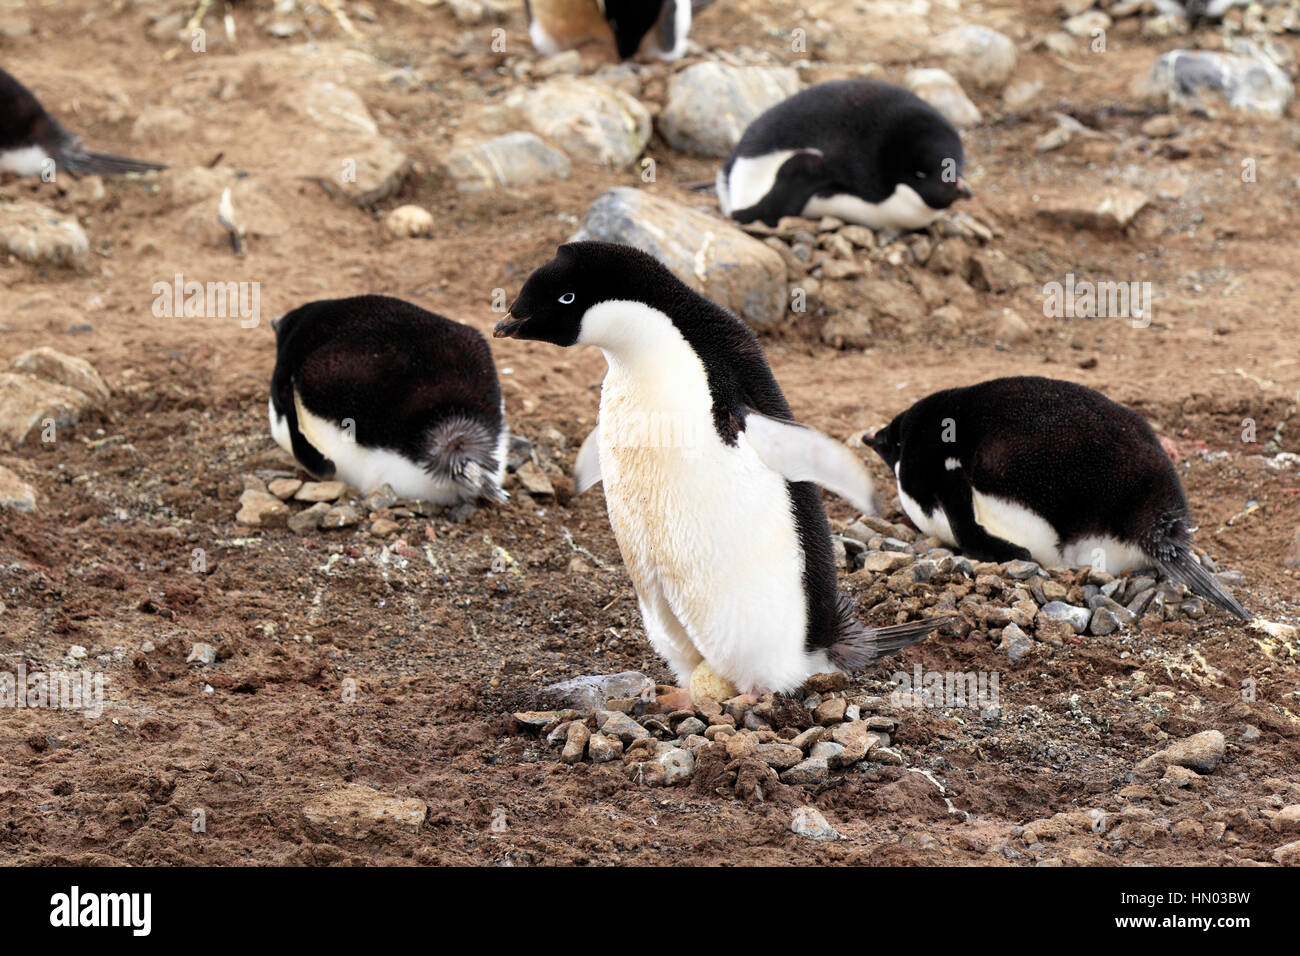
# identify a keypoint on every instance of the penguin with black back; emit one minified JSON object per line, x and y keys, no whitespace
{"x":1042,"y":469}
{"x":710,"y":484}
{"x":372,"y":390}
{"x":862,"y":150}
{"x":656,"y":28}
{"x":34,"y":143}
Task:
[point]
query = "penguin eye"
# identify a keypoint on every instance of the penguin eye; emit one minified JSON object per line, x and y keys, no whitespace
{"x":567,"y":298}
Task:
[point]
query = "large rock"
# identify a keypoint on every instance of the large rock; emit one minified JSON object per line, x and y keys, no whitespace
{"x":1108,"y":209}
{"x":591,"y":122}
{"x":1248,"y":83}
{"x":355,"y":812}
{"x":27,"y":402}
{"x":516,"y":159}
{"x":942,"y":91}
{"x":710,"y":104}
{"x":340,"y":145}
{"x":42,"y":236}
{"x":977,"y":56}
{"x":15,"y":493}
{"x":54,"y":366}
{"x":712,"y":257}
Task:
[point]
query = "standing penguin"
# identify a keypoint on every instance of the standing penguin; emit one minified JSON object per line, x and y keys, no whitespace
{"x":865,"y":151}
{"x":1030,"y":467}
{"x":655,"y":27}
{"x":34,"y":143}
{"x":374,"y":390}
{"x":709,"y":482}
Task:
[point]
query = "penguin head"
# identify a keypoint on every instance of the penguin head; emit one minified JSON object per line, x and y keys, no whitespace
{"x":887,"y":442}
{"x":556,"y":298}
{"x":925,"y":154}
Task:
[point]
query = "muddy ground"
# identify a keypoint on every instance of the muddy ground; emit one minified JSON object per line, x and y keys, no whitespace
{"x":441,"y":646}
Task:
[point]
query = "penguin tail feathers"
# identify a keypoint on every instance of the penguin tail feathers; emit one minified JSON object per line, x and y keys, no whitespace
{"x":1181,"y":565}
{"x":859,"y":645}
{"x":85,"y":163}
{"x":463,"y":450}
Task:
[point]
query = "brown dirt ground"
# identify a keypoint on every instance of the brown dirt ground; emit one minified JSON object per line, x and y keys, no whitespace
{"x":443,"y":649}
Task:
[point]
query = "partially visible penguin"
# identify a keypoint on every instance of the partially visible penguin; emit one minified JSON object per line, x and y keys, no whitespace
{"x":1196,"y":10}
{"x":865,"y":151}
{"x":34,"y":143}
{"x":655,"y":27}
{"x":1031,"y":467}
{"x":373,"y":390}
{"x":709,"y":482}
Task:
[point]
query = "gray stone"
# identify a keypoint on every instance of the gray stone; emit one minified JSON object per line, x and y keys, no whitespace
{"x":812,"y":770}
{"x":337,"y":143}
{"x":1107,"y":209}
{"x":1021,"y":570}
{"x":1247,"y":83}
{"x":1015,"y":643}
{"x":809,"y":822}
{"x":1076,"y":617}
{"x":603,"y":748}
{"x":679,"y":766}
{"x":1104,"y":621}
{"x":591,"y":122}
{"x":16,"y":494}
{"x":622,"y":726}
{"x":711,"y":256}
{"x":977,"y":56}
{"x":516,"y":159}
{"x":309,"y":519}
{"x":1201,"y":752}
{"x":778,"y":756}
{"x":942,"y":91}
{"x":591,"y":691}
{"x":711,"y":104}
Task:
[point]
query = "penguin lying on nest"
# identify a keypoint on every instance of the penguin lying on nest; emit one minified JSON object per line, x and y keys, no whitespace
{"x":1042,"y":469}
{"x":372,"y":390}
{"x":710,"y":484}
{"x":34,"y":143}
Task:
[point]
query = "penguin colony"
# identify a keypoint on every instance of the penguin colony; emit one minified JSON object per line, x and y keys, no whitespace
{"x":719,"y":521}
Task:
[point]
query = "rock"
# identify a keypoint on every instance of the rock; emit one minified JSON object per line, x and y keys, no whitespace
{"x":881,"y":562}
{"x":202,"y":654}
{"x":712,"y":257}
{"x":777,"y":756}
{"x":826,"y":683}
{"x":407,"y":221}
{"x":575,"y":742}
{"x":54,"y":366}
{"x":679,"y":766}
{"x":1201,"y":752}
{"x":828,"y":750}
{"x":1109,"y":209}
{"x":1012,"y":329}
{"x":1104,"y":621}
{"x":942,"y":91}
{"x":1247,"y":83}
{"x":621,"y":726}
{"x":1015,"y":643}
{"x":260,"y":509}
{"x":1288,"y":854}
{"x":991,"y":269}
{"x":591,"y":691}
{"x":340,"y":516}
{"x":380,"y":498}
{"x":1085,"y":25}
{"x":516,"y":159}
{"x":603,"y":748}
{"x":830,"y":711}
{"x":812,"y":770}
{"x":1287,"y":820}
{"x":856,"y":740}
{"x":284,"y":488}
{"x":591,"y":122}
{"x":537,"y":719}
{"x":534,"y":480}
{"x":383,"y":527}
{"x":309,"y":519}
{"x":808,"y":822}
{"x":16,"y":494}
{"x":42,"y":236}
{"x":1021,"y":94}
{"x":977,"y":56}
{"x":337,"y":143}
{"x":1160,"y":127}
{"x":710,"y":104}
{"x":27,"y":403}
{"x":321,"y":491}
{"x":355,"y":811}
{"x":1076,"y":617}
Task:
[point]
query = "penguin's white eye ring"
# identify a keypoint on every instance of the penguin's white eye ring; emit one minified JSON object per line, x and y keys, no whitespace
{"x":567,"y":298}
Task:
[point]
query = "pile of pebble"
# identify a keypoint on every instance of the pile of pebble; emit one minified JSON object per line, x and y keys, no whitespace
{"x":800,"y":739}
{"x":1013,"y":602}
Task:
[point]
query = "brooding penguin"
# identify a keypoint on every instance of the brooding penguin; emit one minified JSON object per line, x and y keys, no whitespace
{"x":709,"y":482}
{"x":1029,"y":467}
{"x":655,"y":27}
{"x":373,"y":390}
{"x":34,"y":143}
{"x":865,"y":151}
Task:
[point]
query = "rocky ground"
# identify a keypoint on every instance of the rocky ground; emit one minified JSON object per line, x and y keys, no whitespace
{"x":294,"y":672}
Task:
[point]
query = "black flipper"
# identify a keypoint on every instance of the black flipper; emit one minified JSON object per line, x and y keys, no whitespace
{"x":958,"y":504}
{"x":800,"y":177}
{"x":1181,"y":565}
{"x":858,"y":645}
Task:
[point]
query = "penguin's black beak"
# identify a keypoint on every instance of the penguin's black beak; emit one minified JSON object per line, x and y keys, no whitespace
{"x":508,"y":326}
{"x":963,"y":190}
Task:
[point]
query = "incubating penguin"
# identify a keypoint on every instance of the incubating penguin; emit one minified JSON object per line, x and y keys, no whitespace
{"x":34,"y":143}
{"x":1031,"y":467}
{"x":709,"y":481}
{"x":656,"y":27}
{"x":862,"y":150}
{"x":373,"y":390}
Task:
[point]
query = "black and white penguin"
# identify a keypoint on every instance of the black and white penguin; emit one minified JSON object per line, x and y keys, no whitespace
{"x":1037,"y":468}
{"x":655,"y":27}
{"x":1196,"y":10}
{"x":373,"y":390}
{"x":709,"y":482}
{"x":865,"y":151}
{"x":31,"y":139}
